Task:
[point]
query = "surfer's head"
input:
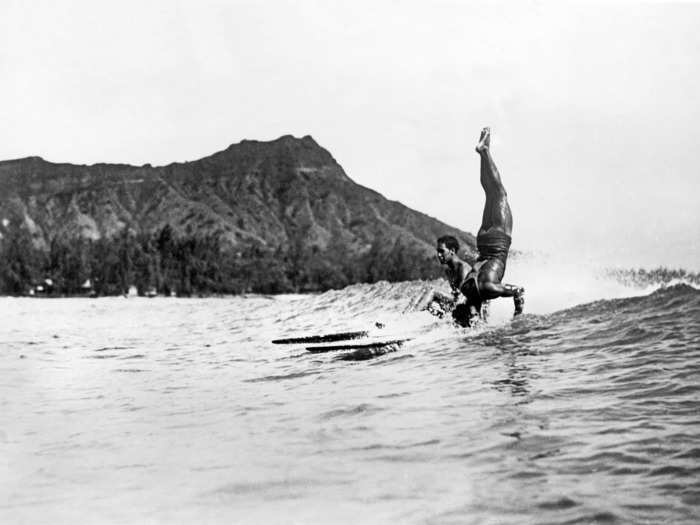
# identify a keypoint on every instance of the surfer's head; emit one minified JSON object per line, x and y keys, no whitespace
{"x":447,"y":247}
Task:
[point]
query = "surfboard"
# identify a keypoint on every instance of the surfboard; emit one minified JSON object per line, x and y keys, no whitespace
{"x":355,"y":346}
{"x":327,"y":338}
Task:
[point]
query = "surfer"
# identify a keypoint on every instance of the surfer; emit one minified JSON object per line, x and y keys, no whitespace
{"x":480,"y":281}
{"x":435,"y":302}
{"x":457,"y":271}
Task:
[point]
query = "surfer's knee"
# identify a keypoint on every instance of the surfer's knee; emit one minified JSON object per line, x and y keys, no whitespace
{"x":489,"y":289}
{"x":489,"y":280}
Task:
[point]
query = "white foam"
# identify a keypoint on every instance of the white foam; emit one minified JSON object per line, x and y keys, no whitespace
{"x":552,"y":285}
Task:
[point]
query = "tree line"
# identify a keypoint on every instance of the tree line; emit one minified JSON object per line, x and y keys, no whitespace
{"x":195,"y":265}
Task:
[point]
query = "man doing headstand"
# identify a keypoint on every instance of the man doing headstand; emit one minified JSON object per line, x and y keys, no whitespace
{"x":481,"y":281}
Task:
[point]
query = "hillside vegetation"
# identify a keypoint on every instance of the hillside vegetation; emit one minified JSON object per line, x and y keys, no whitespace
{"x":278,"y":216}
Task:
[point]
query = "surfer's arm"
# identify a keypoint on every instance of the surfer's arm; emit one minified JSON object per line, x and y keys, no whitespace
{"x":445,"y":301}
{"x":457,"y":282}
{"x":437,"y":303}
{"x":440,"y":304}
{"x":455,"y":294}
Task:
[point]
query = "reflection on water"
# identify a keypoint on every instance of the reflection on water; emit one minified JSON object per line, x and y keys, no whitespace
{"x":168,"y":410}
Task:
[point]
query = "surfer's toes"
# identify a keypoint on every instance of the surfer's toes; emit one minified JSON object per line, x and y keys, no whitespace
{"x":484,"y":140}
{"x":519,"y":301}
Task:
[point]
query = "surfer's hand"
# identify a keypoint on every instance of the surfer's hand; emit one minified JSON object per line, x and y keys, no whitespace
{"x":435,"y":309}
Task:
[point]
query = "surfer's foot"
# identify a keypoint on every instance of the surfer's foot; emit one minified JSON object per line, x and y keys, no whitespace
{"x":484,"y":141}
{"x":519,"y":301}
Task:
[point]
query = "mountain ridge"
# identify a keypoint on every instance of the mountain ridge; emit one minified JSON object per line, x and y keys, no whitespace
{"x":252,"y":191}
{"x":266,"y":216}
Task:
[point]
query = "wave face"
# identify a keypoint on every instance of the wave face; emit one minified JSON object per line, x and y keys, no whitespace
{"x":182,"y":410}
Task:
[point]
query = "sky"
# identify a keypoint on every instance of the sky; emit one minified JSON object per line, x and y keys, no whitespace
{"x":594,"y":107}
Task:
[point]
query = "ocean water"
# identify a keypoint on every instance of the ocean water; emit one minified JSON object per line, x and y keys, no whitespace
{"x":584,"y":410}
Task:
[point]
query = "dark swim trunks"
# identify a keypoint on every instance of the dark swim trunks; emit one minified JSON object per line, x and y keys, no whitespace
{"x":493,"y":245}
{"x":493,"y":252}
{"x":493,"y":249}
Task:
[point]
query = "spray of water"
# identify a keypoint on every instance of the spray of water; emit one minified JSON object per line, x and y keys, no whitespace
{"x":551,"y":285}
{"x":557,"y":283}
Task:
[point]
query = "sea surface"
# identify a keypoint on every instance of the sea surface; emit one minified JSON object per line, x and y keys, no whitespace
{"x":584,"y":410}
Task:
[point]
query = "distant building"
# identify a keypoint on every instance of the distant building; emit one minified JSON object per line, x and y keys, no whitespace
{"x":44,"y":288}
{"x":88,"y":289}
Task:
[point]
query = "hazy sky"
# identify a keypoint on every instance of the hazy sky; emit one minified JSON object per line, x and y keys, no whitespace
{"x":594,"y":107}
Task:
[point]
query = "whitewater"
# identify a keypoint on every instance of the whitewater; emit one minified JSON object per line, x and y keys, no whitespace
{"x":584,"y":410}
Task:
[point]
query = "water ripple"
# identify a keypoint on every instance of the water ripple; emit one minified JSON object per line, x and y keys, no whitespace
{"x":184,"y":408}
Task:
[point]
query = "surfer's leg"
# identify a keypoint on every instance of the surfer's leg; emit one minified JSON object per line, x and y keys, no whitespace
{"x":492,"y":290}
{"x":490,"y":286}
{"x":497,"y":217}
{"x":497,"y":214}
